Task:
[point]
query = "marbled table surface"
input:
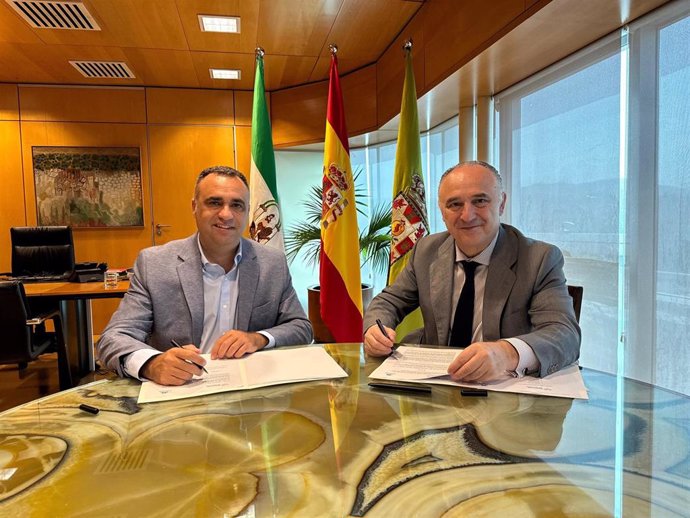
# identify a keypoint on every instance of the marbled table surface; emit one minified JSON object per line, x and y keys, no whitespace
{"x":338,"y":448}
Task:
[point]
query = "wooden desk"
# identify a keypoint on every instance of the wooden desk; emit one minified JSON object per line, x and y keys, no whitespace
{"x":338,"y":448}
{"x":75,"y":308}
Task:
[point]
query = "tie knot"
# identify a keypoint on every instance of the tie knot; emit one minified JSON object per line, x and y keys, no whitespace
{"x":469,"y":267}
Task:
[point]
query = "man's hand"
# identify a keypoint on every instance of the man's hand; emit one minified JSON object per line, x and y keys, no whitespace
{"x":235,"y":344}
{"x":484,"y":361}
{"x":376,"y":343}
{"x":172,"y":367}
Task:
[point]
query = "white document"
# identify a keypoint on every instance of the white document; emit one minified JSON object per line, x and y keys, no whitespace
{"x":260,"y":369}
{"x":427,"y":365}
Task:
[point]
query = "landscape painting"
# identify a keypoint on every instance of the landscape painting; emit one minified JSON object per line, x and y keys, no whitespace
{"x":88,"y":186}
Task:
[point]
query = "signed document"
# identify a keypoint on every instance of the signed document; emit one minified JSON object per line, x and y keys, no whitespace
{"x":260,"y":369}
{"x":430,"y":366}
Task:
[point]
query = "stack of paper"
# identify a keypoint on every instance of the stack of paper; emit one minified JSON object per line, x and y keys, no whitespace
{"x":261,"y":369}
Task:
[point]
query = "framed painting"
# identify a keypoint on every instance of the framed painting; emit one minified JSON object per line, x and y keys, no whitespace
{"x":88,"y":186}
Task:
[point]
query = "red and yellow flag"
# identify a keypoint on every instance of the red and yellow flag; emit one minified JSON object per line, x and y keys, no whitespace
{"x":339,"y":275}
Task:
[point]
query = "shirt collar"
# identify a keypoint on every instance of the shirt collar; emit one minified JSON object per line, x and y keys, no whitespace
{"x":206,"y":263}
{"x":483,"y":257}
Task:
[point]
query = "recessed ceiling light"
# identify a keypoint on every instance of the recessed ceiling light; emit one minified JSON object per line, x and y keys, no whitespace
{"x":210,"y":23}
{"x":224,"y":73}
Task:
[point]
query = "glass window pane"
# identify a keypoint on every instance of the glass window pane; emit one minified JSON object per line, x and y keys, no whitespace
{"x":673,"y":231}
{"x":565,"y":169}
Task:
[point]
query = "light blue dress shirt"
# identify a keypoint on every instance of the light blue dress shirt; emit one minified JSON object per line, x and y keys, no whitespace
{"x":221,"y":292}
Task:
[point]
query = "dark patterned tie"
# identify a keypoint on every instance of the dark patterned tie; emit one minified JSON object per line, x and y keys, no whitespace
{"x":461,"y":335}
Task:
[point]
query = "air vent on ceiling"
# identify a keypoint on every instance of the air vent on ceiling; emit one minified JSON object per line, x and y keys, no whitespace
{"x":104,"y":69}
{"x":55,"y":15}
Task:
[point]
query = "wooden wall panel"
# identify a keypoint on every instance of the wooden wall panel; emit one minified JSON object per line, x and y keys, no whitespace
{"x":12,"y":191}
{"x":243,"y":106}
{"x":454,"y":36}
{"x":74,"y":104}
{"x":116,"y":246}
{"x":9,"y":103}
{"x":243,"y":149}
{"x":188,"y":106}
{"x":178,"y":155}
{"x":299,"y":114}
{"x":447,"y":34}
{"x":390,"y":70}
{"x":359,"y":94}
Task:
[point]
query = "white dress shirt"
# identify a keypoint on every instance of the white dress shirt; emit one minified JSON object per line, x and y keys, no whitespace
{"x":527,"y":359}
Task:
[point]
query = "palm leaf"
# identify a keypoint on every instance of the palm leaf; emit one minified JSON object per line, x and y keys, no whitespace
{"x":374,"y":243}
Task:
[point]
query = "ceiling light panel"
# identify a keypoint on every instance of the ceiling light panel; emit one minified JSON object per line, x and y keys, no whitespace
{"x":55,"y":15}
{"x":211,"y":23}
{"x":224,"y":73}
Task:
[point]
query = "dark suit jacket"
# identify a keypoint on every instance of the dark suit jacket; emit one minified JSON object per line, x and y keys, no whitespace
{"x":525,"y":296}
{"x":166,"y":300}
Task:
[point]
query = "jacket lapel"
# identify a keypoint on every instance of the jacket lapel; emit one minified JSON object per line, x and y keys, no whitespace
{"x":190,"y":276}
{"x":499,"y":283}
{"x":247,"y":282}
{"x":442,"y":288}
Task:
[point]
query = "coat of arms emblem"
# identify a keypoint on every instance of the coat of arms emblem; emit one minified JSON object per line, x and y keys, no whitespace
{"x":334,"y":201}
{"x":266,"y":222}
{"x":409,"y":221}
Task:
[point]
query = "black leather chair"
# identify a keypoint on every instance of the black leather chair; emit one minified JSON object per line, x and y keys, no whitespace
{"x":575,"y":293}
{"x":24,"y":334}
{"x":40,"y":251}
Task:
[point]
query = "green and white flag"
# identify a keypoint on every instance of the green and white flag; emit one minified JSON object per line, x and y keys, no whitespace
{"x":264,"y":211}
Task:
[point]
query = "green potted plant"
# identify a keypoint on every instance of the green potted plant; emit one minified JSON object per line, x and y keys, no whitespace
{"x":374,"y":246}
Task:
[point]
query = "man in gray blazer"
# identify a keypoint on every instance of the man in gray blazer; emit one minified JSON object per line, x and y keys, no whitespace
{"x":523,"y":318}
{"x":213,"y":292}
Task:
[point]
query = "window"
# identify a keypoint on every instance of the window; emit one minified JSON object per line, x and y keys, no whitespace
{"x":673,"y":194}
{"x":440,"y":150}
{"x":596,"y":158}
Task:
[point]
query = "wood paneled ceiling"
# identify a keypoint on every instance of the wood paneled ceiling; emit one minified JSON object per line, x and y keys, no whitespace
{"x":161,"y":42}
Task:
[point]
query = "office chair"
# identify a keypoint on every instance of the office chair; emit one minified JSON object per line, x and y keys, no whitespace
{"x":42,"y":251}
{"x":575,"y":293}
{"x":24,"y":333}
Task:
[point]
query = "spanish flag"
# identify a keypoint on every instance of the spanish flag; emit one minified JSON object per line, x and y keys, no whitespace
{"x":409,"y":217}
{"x":339,"y":275}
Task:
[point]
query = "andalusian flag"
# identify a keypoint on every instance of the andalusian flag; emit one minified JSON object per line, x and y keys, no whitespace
{"x":409,"y":220}
{"x":339,"y":276}
{"x":264,"y":212}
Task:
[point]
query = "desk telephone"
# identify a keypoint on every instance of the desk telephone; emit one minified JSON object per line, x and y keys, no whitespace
{"x":88,"y":272}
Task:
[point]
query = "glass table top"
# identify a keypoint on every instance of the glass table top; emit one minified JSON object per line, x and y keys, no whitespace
{"x":339,"y":448}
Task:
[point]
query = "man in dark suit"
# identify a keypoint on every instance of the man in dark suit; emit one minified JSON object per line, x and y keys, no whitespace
{"x":522,"y":319}
{"x":213,"y":292}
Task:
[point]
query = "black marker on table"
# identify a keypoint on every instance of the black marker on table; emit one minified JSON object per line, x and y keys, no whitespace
{"x":189,"y":361}
{"x":405,"y":387}
{"x":473,"y":392}
{"x":88,"y":408}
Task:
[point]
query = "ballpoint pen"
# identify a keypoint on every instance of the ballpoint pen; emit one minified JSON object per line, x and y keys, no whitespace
{"x":189,"y":361}
{"x":383,"y":329}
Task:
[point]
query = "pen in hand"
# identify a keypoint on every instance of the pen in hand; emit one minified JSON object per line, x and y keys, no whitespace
{"x":190,"y":361}
{"x":383,"y":329}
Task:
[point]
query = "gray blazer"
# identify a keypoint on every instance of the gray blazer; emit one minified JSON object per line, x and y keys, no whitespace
{"x":166,"y":301}
{"x":525,"y":296}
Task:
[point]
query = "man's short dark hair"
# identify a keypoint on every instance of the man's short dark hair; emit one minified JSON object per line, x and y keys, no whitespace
{"x":481,"y":163}
{"x":222,"y":170}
